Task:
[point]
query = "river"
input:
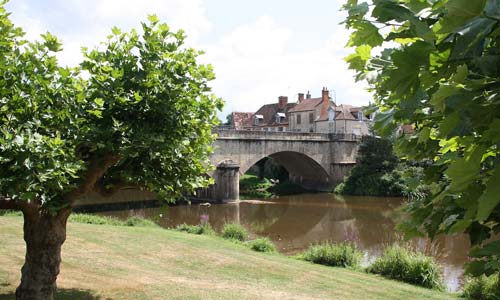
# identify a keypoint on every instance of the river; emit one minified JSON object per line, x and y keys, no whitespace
{"x":295,"y":222}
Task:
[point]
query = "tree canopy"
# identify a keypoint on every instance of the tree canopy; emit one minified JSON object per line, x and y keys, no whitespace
{"x":137,"y":112}
{"x":435,"y":64}
{"x":141,"y":115}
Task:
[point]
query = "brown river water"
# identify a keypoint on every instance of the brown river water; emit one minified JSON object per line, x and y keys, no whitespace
{"x":295,"y":222}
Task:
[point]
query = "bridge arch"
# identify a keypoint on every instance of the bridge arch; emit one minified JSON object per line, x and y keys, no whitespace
{"x":303,"y":169}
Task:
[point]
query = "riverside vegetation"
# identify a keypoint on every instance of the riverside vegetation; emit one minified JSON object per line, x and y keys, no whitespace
{"x":168,"y":264}
{"x":379,"y":172}
{"x":252,"y":187}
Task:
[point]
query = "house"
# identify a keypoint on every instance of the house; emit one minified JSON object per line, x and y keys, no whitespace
{"x":274,"y":116}
{"x":345,"y":119}
{"x":322,"y":115}
{"x":308,"y":111}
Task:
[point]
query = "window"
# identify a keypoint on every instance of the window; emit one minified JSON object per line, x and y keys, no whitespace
{"x":280,"y":128}
{"x":311,"y":118}
{"x":298,"y":119}
{"x":360,"y":115}
{"x":280,"y":117}
{"x":257,"y":119}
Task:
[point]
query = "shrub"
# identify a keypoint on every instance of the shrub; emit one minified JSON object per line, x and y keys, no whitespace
{"x":94,"y":219}
{"x":140,"y":222}
{"x":483,"y":288}
{"x":262,"y":245}
{"x":337,"y":255}
{"x":196,"y":229}
{"x":234,"y":231}
{"x":408,"y":266}
{"x":10,"y":213}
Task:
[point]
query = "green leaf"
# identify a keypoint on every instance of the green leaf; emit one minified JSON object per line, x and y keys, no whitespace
{"x":404,"y":78}
{"x":460,"y":226}
{"x":99,"y":102}
{"x":357,"y":10}
{"x":387,"y":10}
{"x":490,"y":197}
{"x":459,"y":12}
{"x":365,"y":33}
{"x":357,"y":60}
{"x":489,"y":249}
{"x":153,"y":19}
{"x":116,"y":31}
{"x":463,"y":171}
{"x":470,"y":39}
{"x":445,"y":90}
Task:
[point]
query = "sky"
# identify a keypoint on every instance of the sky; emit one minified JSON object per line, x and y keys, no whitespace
{"x":260,"y":49}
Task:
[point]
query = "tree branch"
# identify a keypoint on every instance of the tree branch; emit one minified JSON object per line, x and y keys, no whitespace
{"x":109,"y":191}
{"x":97,"y":168}
{"x":8,"y":203}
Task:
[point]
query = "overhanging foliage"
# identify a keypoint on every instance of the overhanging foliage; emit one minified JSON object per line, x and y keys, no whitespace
{"x":438,"y":68}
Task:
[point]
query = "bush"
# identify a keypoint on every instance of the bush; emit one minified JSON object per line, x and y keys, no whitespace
{"x":234,"y":232}
{"x":483,"y":288}
{"x":262,"y":245}
{"x":10,"y":213}
{"x":95,"y":219}
{"x":140,"y":222}
{"x":196,"y":229}
{"x":337,"y":255}
{"x":408,"y":266}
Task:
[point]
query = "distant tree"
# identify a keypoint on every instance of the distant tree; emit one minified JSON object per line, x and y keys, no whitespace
{"x":229,"y":119}
{"x":439,"y":70}
{"x":372,"y":174}
{"x":142,"y":116}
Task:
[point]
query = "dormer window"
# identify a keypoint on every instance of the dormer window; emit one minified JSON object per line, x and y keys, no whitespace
{"x":280,"y":117}
{"x":257,"y":119}
{"x":360,"y":115}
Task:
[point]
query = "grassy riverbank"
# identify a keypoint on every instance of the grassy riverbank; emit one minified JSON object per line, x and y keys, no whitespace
{"x":120,"y":262}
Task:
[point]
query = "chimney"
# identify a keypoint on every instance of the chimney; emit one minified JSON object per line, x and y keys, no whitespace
{"x":282,"y":102}
{"x":301,"y":97}
{"x":308,"y":96}
{"x":325,"y":103}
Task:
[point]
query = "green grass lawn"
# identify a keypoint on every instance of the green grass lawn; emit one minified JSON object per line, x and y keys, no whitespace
{"x":118,"y":262}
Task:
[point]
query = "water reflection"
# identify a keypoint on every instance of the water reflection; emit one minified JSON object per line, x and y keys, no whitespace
{"x":295,"y":222}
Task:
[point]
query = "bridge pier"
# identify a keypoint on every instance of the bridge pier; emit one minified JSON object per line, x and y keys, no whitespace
{"x":227,"y":181}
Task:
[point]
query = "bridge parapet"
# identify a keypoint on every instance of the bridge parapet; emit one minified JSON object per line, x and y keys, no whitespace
{"x":283,"y":135}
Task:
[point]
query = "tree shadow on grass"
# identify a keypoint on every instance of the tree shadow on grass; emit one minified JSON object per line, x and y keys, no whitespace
{"x":61,"y":294}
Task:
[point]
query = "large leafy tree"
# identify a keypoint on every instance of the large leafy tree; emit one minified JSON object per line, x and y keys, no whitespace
{"x":137,"y":112}
{"x":435,"y":64}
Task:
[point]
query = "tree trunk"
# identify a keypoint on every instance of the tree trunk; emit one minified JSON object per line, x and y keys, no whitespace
{"x":44,"y":235}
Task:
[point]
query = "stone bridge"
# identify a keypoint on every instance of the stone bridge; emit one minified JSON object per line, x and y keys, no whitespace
{"x":314,"y":160}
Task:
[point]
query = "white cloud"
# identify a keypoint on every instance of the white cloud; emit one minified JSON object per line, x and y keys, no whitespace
{"x":88,"y":22}
{"x":254,"y":66}
{"x":254,"y":62}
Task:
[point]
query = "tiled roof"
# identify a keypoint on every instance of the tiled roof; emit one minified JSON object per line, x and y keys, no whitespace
{"x":242,"y":119}
{"x":344,"y":112}
{"x":307,"y":104}
{"x":269,"y":111}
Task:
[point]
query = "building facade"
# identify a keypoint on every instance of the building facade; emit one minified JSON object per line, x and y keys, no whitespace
{"x":322,"y":115}
{"x":315,"y":115}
